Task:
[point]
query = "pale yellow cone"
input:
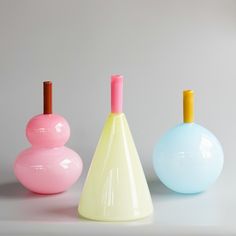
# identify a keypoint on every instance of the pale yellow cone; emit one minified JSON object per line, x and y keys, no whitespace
{"x":115,"y":188}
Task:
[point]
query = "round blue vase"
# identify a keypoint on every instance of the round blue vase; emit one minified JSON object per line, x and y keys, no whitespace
{"x":188,"y":158}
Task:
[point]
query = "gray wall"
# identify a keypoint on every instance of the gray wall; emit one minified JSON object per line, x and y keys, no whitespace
{"x":161,"y":47}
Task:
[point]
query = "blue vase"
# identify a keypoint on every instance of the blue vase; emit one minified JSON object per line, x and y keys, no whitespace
{"x":188,"y":158}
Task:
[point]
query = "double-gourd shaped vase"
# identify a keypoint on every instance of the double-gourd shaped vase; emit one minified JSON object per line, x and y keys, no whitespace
{"x":48,"y":167}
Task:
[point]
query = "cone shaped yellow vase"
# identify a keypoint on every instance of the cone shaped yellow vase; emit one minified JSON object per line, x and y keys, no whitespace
{"x":115,"y":188}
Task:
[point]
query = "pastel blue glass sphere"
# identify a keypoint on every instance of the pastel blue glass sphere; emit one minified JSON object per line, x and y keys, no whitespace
{"x":188,"y":158}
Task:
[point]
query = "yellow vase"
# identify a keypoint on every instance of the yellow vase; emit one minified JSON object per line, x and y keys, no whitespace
{"x":115,"y":188}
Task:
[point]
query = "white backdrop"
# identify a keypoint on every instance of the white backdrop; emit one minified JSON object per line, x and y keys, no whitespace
{"x":161,"y":47}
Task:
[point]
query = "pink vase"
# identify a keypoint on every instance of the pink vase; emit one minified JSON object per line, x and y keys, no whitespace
{"x":48,"y":167}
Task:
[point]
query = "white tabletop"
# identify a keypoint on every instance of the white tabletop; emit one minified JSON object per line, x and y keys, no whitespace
{"x":211,"y":212}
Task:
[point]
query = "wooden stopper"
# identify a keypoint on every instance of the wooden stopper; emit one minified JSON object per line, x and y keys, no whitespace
{"x":47,"y":97}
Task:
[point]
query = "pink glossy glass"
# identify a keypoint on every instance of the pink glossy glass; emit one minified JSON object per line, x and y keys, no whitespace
{"x":116,"y":93}
{"x":48,"y":167}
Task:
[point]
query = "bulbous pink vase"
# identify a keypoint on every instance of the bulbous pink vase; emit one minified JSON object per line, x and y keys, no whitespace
{"x":48,"y":167}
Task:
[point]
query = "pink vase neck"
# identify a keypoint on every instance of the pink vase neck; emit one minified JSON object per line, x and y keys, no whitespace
{"x":116,"y":93}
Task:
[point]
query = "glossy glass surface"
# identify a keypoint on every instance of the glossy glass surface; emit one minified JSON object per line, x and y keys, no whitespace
{"x":48,"y":167}
{"x":115,"y":188}
{"x":48,"y":170}
{"x":48,"y":130}
{"x":188,"y":158}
